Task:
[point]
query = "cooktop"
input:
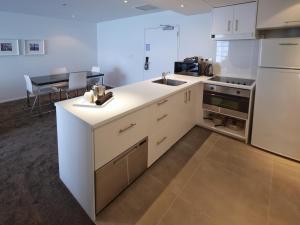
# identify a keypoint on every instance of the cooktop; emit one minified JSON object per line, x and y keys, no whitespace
{"x":233,"y":80}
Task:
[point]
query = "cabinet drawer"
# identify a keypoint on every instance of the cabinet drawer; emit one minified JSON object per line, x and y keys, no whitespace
{"x":112,"y":139}
{"x":138,"y":160}
{"x":110,"y":181}
{"x":116,"y":175}
{"x":163,"y":106}
{"x":159,"y":143}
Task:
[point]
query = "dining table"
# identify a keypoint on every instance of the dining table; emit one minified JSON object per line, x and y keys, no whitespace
{"x":58,"y":78}
{"x":45,"y":80}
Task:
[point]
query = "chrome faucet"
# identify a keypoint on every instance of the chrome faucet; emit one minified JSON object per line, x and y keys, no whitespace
{"x":164,"y":74}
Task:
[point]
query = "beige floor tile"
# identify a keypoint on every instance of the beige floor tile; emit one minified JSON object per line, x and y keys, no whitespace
{"x":211,"y":180}
{"x":211,"y":190}
{"x":133,"y":203}
{"x":183,"y":213}
{"x":242,"y":160}
{"x":285,"y":194}
{"x":157,"y":209}
{"x":232,"y":185}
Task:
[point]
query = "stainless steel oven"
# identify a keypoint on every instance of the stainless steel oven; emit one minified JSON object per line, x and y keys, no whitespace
{"x":226,"y":100}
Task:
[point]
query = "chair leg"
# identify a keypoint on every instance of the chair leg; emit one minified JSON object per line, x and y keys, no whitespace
{"x":28,"y":98}
{"x":102,"y":81}
{"x":67,"y":95}
{"x":59,"y":94}
{"x":33,"y":105}
{"x":39,"y":104}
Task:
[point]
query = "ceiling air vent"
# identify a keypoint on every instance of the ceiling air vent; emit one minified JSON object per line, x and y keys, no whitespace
{"x":147,"y":7}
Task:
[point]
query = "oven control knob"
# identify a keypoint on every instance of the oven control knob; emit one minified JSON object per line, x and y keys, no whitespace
{"x":238,"y":92}
{"x":212,"y":88}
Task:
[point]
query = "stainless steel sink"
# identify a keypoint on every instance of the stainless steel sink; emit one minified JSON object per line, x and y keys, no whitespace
{"x":169,"y":82}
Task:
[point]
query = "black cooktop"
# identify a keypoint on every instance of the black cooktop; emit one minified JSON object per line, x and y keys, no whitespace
{"x":233,"y":80}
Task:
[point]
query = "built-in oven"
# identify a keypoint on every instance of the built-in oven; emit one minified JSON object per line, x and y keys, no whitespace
{"x":226,"y":100}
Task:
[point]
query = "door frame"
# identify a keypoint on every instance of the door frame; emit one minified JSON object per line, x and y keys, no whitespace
{"x":160,"y":27}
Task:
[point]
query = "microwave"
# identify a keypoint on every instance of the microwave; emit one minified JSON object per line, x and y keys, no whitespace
{"x":187,"y":68}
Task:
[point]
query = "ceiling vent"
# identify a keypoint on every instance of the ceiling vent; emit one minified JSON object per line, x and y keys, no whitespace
{"x":147,"y":7}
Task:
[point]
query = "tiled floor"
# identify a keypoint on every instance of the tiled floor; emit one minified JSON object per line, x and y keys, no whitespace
{"x":224,"y":182}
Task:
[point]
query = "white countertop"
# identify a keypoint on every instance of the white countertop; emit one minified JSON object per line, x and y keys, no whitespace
{"x":126,"y":99}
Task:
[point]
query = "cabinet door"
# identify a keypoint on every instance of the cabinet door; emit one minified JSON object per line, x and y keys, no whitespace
{"x":245,"y":18}
{"x":110,"y":181}
{"x":191,"y":107}
{"x":222,"y":20}
{"x":137,"y":160}
{"x":278,"y":13}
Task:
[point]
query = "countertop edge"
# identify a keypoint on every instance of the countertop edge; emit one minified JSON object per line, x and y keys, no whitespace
{"x":123,"y":114}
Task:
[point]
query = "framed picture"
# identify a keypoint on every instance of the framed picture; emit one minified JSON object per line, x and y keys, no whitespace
{"x":34,"y":47}
{"x":9,"y":47}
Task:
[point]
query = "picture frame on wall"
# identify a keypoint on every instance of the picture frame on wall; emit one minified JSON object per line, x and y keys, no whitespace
{"x":34,"y":47}
{"x":9,"y":47}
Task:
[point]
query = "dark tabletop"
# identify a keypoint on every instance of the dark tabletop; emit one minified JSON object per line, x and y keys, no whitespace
{"x":53,"y":79}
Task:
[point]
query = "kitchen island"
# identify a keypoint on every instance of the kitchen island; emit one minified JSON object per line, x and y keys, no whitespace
{"x":102,"y":149}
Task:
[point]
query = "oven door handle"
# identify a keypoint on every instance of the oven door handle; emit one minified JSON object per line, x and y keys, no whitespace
{"x":225,"y":96}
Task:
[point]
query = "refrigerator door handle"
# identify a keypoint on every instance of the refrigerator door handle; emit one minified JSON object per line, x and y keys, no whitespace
{"x":288,"y":44}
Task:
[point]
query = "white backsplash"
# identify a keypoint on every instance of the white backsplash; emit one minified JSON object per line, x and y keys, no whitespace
{"x":237,"y":58}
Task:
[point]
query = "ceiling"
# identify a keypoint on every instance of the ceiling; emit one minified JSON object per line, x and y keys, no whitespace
{"x":103,"y":10}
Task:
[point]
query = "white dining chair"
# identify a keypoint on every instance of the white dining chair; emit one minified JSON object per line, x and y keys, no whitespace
{"x":77,"y":81}
{"x":60,"y":85}
{"x":36,"y":92}
{"x":94,"y":80}
{"x":95,"y":69}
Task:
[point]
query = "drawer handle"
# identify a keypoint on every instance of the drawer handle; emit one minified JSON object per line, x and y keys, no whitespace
{"x":288,"y":44}
{"x":228,"y":25}
{"x":236,"y":25}
{"x":162,"y":117}
{"x":127,"y":128}
{"x":162,"y":102}
{"x":185,"y":97}
{"x":190,"y":95}
{"x":118,"y":160}
{"x":161,"y":141}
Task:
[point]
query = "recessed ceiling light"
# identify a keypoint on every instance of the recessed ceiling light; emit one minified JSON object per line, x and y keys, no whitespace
{"x":182,"y":5}
{"x":125,"y":1}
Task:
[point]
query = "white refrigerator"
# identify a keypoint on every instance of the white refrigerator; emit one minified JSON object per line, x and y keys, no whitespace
{"x":276,"y":118}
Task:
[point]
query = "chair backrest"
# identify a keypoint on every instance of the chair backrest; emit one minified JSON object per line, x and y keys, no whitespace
{"x":60,"y":70}
{"x":29,"y":86}
{"x":96,"y":69}
{"x":77,"y":80}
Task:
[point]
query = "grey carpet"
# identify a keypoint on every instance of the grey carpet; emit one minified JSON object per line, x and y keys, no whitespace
{"x":30,"y":190}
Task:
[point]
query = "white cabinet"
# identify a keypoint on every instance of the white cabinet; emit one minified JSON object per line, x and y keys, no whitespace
{"x":278,"y":13}
{"x":171,"y":118}
{"x":114,"y":138}
{"x":245,"y":19}
{"x":222,"y":20}
{"x":161,"y":127}
{"x":234,"y":22}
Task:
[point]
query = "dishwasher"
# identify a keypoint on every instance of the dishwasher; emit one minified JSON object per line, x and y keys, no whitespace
{"x":115,"y":176}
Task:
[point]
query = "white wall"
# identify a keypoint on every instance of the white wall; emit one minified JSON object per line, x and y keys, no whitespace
{"x":121,"y":47}
{"x":237,"y":58}
{"x":68,"y":43}
{"x":121,"y":43}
